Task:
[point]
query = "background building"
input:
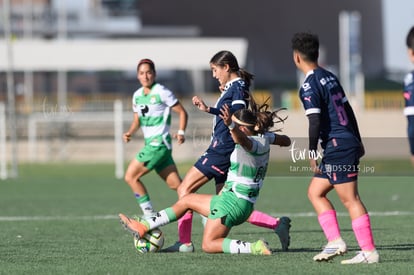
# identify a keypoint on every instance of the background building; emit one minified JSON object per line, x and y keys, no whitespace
{"x":267,"y":26}
{"x":57,"y":105}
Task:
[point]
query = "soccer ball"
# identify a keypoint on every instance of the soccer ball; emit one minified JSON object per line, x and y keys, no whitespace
{"x":152,"y":241}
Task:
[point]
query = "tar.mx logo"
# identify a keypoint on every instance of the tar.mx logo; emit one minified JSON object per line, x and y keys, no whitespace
{"x":303,"y":154}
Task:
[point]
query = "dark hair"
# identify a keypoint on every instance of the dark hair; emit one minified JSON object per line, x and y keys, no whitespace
{"x":262,"y":120}
{"x":307,"y":44}
{"x":223,"y":58}
{"x":146,"y":61}
{"x":410,"y":39}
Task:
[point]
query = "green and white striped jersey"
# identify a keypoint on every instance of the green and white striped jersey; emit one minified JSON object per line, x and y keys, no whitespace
{"x":248,"y":169}
{"x":154,"y":112}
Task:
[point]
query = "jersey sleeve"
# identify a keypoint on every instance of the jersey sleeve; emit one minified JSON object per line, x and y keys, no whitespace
{"x":310,"y":98}
{"x":134,"y":104}
{"x":271,"y":137}
{"x":168,"y":97}
{"x":234,"y":98}
{"x":239,"y":96}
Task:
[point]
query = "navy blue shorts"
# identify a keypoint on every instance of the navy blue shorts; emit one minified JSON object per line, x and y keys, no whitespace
{"x":410,"y":130}
{"x":213,"y":165}
{"x":340,"y":161}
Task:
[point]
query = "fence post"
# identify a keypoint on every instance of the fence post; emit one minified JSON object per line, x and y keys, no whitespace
{"x":3,"y":153}
{"x":119,"y":146}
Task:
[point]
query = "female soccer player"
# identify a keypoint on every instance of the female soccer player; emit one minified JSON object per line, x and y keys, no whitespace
{"x":409,"y":94}
{"x":332,"y":120}
{"x":151,"y":105}
{"x":234,"y":84}
{"x":235,"y":203}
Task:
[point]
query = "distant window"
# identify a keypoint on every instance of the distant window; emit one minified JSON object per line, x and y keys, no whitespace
{"x":120,"y":7}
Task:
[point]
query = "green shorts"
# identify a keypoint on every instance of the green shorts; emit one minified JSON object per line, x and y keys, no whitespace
{"x":155,"y":157}
{"x":230,"y":209}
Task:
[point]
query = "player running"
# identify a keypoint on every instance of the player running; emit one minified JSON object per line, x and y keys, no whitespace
{"x":151,"y":105}
{"x":332,"y":120}
{"x":235,"y":203}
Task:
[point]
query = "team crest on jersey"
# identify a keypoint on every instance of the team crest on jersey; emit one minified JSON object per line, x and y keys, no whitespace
{"x":153,"y":100}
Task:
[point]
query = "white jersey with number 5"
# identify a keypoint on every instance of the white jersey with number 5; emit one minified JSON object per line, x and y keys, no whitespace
{"x":154,"y":114}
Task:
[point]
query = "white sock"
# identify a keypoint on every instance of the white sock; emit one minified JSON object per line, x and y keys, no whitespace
{"x":160,"y":219}
{"x":239,"y":247}
{"x":147,"y":208}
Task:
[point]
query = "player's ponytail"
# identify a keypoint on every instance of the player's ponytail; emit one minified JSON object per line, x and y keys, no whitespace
{"x":261,"y":120}
{"x":246,"y":76}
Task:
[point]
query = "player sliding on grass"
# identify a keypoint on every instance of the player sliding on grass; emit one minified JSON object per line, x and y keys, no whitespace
{"x":235,"y":203}
{"x":234,"y":84}
{"x":332,"y":120}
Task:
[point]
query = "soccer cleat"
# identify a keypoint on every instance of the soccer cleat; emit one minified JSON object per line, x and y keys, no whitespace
{"x":363,"y":257}
{"x":137,"y":228}
{"x":180,"y":247}
{"x":282,"y":231}
{"x":260,"y":247}
{"x":332,"y":249}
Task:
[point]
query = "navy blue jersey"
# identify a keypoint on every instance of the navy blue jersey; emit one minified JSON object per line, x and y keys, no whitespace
{"x":321,"y":93}
{"x":409,"y":94}
{"x":235,"y":95}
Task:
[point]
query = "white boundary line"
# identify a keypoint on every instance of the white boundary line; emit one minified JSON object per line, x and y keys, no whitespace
{"x":56,"y":218}
{"x":112,"y":217}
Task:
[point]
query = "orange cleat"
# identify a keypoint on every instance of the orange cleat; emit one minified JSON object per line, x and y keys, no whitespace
{"x":136,"y":228}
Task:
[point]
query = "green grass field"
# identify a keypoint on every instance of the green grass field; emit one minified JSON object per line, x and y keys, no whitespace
{"x":62,"y":219}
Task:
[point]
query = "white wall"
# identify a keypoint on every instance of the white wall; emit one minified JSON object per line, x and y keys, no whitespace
{"x":398,"y":18}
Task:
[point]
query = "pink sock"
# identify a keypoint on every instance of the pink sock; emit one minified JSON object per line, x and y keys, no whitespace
{"x":185,"y":224}
{"x":329,"y":224}
{"x":263,"y":220}
{"x":363,"y":232}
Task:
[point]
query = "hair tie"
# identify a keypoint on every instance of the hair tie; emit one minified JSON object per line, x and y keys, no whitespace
{"x":238,"y":121}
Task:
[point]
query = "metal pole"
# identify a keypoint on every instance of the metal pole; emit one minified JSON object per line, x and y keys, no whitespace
{"x":10,"y":90}
{"x":62,"y":75}
{"x":3,"y":153}
{"x":62,"y":81}
{"x":119,"y":145}
{"x":28,"y":74}
{"x":344,"y":56}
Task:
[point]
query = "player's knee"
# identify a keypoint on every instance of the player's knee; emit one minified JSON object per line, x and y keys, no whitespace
{"x":130,"y":179}
{"x":207,"y":247}
{"x":173,"y":185}
{"x":127,"y":178}
{"x":352,"y":203}
{"x":182,"y":190}
{"x":311,"y":196}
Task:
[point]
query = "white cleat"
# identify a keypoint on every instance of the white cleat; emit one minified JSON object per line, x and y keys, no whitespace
{"x":363,"y":257}
{"x":331,"y":250}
